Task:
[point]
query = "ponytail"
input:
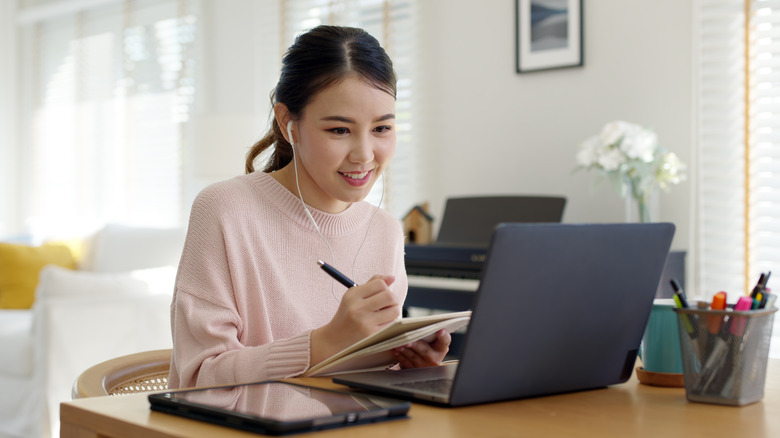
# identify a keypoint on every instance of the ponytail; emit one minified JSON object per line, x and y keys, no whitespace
{"x":281,"y":155}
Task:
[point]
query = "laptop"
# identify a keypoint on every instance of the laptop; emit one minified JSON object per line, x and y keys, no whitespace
{"x":559,"y":308}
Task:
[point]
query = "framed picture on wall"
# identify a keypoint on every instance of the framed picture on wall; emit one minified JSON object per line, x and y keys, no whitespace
{"x":549,"y":34}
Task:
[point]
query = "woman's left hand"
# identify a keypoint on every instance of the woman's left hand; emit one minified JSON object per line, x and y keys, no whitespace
{"x":420,"y":354}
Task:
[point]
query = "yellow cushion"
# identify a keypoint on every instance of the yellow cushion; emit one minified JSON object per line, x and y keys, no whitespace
{"x":19,"y":269}
{"x":75,"y":245}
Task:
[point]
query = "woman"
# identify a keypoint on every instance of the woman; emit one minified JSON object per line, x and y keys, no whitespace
{"x":251,"y":302}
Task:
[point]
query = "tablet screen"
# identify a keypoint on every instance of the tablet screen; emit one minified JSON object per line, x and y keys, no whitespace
{"x":277,"y":407}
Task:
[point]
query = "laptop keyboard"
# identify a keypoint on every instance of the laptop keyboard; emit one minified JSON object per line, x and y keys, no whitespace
{"x":441,"y":386}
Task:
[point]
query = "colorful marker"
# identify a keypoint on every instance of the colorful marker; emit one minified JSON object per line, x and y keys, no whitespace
{"x":718,"y":303}
{"x":737,"y":325}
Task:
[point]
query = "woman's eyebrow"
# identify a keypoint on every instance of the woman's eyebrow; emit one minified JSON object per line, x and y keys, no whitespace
{"x":349,"y":120}
{"x":385,"y":117}
{"x":337,"y":119}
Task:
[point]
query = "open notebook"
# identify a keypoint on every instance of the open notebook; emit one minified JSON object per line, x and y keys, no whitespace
{"x":375,"y":351}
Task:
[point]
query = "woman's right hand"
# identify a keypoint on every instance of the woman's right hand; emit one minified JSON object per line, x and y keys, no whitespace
{"x":363,"y":310}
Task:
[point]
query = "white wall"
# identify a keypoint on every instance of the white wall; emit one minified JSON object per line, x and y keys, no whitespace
{"x":490,"y":130}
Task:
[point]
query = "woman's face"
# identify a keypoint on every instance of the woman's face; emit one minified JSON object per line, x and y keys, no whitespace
{"x":344,"y":140}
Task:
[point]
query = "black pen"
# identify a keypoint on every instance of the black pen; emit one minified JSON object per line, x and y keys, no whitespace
{"x":338,"y":276}
{"x":759,"y":285}
{"x":690,"y":322}
{"x":679,"y":292}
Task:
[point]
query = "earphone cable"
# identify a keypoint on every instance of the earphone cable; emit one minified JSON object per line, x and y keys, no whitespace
{"x":308,"y":213}
{"x":317,"y":228}
{"x":365,"y":236}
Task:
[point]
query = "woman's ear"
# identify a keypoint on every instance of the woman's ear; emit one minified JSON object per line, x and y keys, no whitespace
{"x":283,"y":117}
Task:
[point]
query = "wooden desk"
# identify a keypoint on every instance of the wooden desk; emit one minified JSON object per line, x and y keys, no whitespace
{"x":630,"y":409}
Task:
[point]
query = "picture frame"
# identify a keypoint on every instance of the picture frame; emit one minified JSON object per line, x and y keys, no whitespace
{"x":549,"y":34}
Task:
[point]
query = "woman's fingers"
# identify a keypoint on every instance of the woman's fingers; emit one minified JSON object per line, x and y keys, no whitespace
{"x":423,"y":354}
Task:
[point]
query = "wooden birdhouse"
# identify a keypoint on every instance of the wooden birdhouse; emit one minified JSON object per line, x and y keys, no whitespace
{"x":418,"y":225}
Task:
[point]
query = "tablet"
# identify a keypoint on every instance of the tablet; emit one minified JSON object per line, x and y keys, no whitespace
{"x":276,"y":407}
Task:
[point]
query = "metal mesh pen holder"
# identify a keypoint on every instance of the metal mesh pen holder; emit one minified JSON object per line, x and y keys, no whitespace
{"x":724,"y":354}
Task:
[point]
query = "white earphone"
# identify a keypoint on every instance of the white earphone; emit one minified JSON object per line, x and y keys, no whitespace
{"x":300,"y":196}
{"x":289,"y":133}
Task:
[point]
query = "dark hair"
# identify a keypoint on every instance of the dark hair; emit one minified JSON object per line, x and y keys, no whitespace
{"x":318,"y":59}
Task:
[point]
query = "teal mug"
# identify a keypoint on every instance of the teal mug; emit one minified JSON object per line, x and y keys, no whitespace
{"x":660,"y":349}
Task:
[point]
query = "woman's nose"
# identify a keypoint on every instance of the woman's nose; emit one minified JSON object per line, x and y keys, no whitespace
{"x":362,"y":150}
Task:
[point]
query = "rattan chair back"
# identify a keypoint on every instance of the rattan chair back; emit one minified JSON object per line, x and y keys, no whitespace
{"x":140,"y":372}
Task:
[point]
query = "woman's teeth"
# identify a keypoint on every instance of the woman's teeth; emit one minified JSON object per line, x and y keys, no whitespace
{"x":356,"y":175}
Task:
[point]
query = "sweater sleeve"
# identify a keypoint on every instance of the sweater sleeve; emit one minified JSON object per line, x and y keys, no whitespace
{"x":206,"y":323}
{"x":207,"y":350}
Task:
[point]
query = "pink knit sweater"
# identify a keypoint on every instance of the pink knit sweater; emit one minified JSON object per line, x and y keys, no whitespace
{"x":249,"y":290}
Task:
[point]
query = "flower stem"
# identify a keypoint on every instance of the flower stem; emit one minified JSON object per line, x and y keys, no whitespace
{"x":644,"y":210}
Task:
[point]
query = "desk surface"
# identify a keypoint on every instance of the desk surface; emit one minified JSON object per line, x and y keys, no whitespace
{"x":629,"y":409}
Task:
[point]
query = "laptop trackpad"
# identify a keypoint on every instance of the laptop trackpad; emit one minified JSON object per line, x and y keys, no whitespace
{"x":429,"y":380}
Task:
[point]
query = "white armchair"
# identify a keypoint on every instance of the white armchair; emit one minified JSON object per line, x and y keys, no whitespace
{"x":117,"y":303}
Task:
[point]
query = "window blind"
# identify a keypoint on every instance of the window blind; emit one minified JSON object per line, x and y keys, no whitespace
{"x":738,"y":148}
{"x":107,"y":89}
{"x":720,"y":178}
{"x":8,"y":117}
{"x":108,"y":85}
{"x":764,"y":139}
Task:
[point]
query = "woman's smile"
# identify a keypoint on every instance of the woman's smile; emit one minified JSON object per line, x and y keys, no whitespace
{"x":357,"y":179}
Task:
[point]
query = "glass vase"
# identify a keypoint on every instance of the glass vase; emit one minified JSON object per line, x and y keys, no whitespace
{"x":638,"y":207}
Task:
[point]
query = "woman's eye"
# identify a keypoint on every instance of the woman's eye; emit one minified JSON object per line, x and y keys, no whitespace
{"x":339,"y":131}
{"x":383,"y":128}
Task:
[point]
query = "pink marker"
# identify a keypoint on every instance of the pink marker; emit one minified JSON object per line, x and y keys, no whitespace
{"x":738,"y":324}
